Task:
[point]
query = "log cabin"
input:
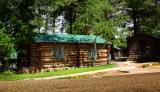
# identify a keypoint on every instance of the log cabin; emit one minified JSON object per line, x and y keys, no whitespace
{"x":67,"y":50}
{"x":143,"y":47}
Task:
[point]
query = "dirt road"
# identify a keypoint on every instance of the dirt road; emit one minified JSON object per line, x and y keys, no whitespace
{"x":124,"y":83}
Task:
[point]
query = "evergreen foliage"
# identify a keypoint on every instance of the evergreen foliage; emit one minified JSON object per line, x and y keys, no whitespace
{"x":20,"y":19}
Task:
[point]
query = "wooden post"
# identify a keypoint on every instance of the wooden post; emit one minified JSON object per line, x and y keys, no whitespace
{"x":95,"y":49}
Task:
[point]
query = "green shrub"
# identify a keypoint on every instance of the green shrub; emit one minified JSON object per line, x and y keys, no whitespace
{"x":7,"y":72}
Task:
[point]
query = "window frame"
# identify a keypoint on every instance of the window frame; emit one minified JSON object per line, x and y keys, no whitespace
{"x":58,"y":52}
{"x":92,"y":53}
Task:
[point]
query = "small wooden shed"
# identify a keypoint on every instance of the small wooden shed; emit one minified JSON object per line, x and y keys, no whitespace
{"x":67,"y":50}
{"x":143,"y":47}
{"x":119,"y":53}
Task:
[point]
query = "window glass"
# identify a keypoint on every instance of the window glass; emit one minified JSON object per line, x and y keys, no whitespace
{"x":58,"y":52}
{"x":92,"y":53}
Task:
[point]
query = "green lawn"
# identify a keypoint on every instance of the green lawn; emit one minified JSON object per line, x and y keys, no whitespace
{"x":11,"y":77}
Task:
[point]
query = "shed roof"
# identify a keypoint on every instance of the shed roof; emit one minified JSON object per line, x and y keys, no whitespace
{"x":69,"y":38}
{"x":118,"y":48}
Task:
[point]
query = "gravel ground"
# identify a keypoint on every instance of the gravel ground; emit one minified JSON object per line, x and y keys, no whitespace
{"x":124,"y":83}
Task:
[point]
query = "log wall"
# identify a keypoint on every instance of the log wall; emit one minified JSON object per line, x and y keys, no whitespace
{"x":42,"y":55}
{"x":141,"y":46}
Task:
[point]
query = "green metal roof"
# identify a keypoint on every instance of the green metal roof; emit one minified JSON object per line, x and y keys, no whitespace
{"x":69,"y":38}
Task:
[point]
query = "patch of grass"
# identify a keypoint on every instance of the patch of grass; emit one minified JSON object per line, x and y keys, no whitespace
{"x":11,"y":77}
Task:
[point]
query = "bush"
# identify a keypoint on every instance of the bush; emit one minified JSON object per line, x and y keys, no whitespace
{"x":7,"y":72}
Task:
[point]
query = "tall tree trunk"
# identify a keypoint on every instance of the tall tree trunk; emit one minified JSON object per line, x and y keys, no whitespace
{"x":135,"y":25}
{"x":46,"y":26}
{"x":70,"y":27}
{"x":71,"y":20}
{"x":53,"y":25}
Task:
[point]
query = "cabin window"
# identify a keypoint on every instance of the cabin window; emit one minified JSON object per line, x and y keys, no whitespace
{"x":92,"y":53}
{"x":58,"y":52}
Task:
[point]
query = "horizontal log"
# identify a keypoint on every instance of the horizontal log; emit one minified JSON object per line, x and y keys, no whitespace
{"x":42,"y":48}
{"x":103,"y":51}
{"x":46,"y":46}
{"x":102,"y":54}
{"x":47,"y":57}
{"x":45,"y":60}
{"x":33,"y":58}
{"x":70,"y":57}
{"x":56,"y":63}
{"x":46,"y":54}
{"x":103,"y":57}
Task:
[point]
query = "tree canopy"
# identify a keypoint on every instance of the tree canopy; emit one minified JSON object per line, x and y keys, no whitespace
{"x":143,"y":13}
{"x":6,"y":45}
{"x":16,"y":16}
{"x":108,"y":18}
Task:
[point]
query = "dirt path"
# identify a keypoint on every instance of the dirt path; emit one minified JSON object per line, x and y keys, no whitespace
{"x":124,"y":68}
{"x":126,"y":83}
{"x":138,"y":68}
